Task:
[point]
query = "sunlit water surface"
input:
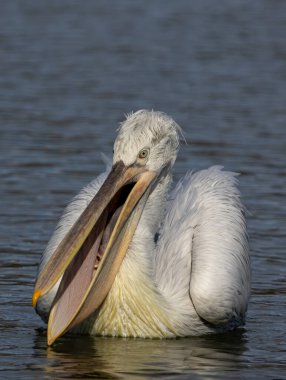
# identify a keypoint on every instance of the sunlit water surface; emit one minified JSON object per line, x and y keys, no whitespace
{"x":69,"y":70}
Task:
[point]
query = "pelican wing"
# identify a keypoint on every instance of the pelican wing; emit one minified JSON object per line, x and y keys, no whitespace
{"x":71,"y":213}
{"x":203,"y":254}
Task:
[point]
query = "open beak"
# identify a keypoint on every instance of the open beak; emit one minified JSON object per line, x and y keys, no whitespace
{"x":90,"y":255}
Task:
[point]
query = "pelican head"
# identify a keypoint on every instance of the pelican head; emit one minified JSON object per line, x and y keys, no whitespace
{"x":87,"y":260}
{"x":152,"y":133}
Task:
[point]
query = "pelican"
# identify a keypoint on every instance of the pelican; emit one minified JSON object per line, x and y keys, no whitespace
{"x":130,"y":258}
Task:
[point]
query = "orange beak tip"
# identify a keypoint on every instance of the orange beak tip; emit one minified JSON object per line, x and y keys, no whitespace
{"x":50,"y":342}
{"x":37,"y":294}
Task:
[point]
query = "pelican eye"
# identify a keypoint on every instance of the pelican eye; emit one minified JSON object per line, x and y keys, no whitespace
{"x":143,"y":154}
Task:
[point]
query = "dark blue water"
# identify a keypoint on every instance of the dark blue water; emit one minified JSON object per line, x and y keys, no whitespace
{"x":69,"y":70}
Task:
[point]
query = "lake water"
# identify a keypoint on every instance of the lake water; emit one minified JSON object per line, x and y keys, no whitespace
{"x":69,"y":70}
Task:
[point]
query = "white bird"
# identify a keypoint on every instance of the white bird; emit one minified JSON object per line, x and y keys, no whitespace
{"x":129,"y":259}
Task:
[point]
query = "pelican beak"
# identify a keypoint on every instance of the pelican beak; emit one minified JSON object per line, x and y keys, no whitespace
{"x":88,"y":258}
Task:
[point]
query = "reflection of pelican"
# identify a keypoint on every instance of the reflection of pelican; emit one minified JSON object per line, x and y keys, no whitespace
{"x":203,"y":357}
{"x":126,"y":260}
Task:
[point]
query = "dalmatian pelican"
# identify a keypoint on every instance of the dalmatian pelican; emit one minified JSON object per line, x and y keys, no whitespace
{"x":129,"y":258}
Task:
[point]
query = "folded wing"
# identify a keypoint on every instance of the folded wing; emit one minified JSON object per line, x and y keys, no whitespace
{"x":203,"y":253}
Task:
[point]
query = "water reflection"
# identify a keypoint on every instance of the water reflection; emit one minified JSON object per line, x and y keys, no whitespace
{"x":78,"y":356}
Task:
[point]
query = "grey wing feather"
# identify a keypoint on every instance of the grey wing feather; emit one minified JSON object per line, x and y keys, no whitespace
{"x":203,"y":253}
